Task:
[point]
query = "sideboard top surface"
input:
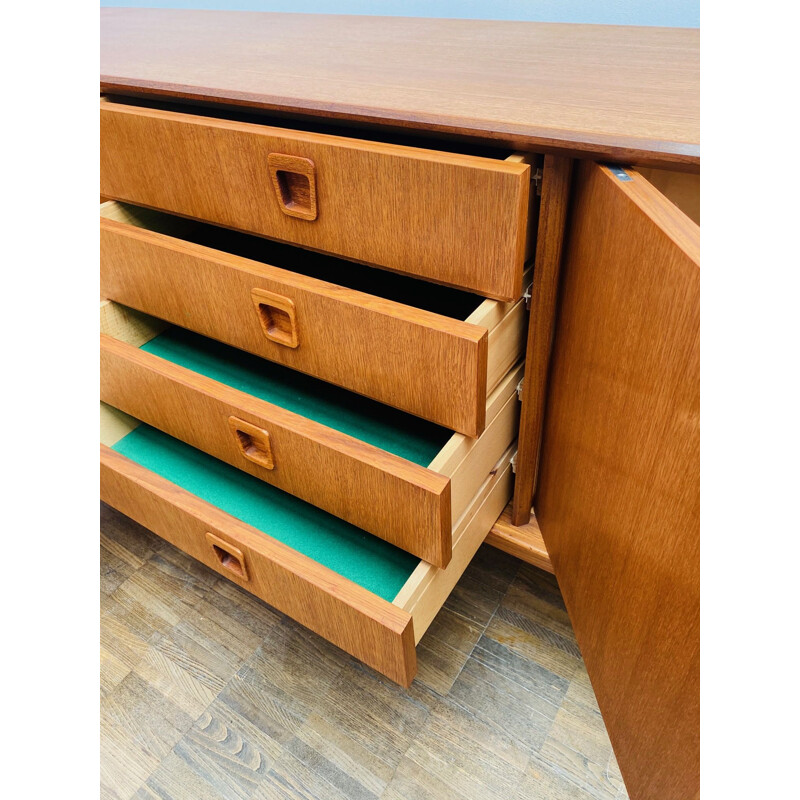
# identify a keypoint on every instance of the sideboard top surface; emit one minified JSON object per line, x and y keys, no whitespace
{"x":598,"y":91}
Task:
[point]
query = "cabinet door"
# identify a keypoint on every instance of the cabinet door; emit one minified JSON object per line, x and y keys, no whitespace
{"x":618,"y":493}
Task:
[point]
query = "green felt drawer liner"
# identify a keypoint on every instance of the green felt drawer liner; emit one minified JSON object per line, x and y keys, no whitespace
{"x":395,"y":431}
{"x":444,"y":300}
{"x":374,"y":564}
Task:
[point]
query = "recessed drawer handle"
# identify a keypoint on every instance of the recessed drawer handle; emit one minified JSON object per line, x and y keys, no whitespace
{"x":277,"y":317}
{"x":294,"y":181}
{"x":253,"y":442}
{"x":229,"y":557}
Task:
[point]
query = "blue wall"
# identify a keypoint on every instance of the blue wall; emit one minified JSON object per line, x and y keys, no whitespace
{"x":673,"y":13}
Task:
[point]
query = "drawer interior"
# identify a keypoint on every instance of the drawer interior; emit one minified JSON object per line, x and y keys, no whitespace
{"x":389,"y":429}
{"x":389,"y":448}
{"x":410,"y":584}
{"x":436,"y":298}
{"x":448,"y":302}
{"x":364,"y":559}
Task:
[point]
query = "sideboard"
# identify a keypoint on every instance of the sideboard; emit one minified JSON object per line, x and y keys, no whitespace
{"x":376,"y":288}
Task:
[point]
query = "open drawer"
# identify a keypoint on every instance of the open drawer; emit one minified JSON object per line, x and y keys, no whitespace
{"x":433,"y":351}
{"x":363,"y":595}
{"x":401,"y":478}
{"x":449,"y":217}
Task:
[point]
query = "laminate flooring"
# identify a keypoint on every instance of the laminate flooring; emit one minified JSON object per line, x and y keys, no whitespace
{"x":209,"y":694}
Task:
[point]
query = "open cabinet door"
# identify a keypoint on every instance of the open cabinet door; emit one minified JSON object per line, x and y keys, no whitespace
{"x":618,"y":497}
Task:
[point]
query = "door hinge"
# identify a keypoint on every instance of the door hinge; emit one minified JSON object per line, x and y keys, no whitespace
{"x":619,"y":173}
{"x":519,"y":388}
{"x":514,"y":463}
{"x":526,"y":296}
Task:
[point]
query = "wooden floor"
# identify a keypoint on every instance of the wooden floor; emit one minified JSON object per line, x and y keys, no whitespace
{"x":207,"y":692}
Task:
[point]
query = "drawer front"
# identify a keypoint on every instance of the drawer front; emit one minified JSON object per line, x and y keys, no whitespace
{"x":412,"y":359}
{"x":368,"y":627}
{"x":453,"y":219}
{"x":399,"y":501}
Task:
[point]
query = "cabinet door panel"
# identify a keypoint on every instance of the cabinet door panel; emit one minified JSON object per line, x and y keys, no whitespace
{"x":618,"y":493}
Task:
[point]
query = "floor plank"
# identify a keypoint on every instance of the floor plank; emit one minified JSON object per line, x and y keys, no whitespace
{"x":206,"y":692}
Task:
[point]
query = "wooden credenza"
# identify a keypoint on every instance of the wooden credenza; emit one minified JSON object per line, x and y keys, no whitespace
{"x":376,"y":287}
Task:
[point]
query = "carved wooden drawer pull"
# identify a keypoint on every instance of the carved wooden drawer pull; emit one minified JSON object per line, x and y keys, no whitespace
{"x":277,"y":316}
{"x":253,"y":442}
{"x":229,"y":557}
{"x":294,"y":180}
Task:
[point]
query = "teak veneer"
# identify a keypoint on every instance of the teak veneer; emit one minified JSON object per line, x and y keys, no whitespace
{"x":557,"y":174}
{"x":409,"y":505}
{"x":455,"y":219}
{"x":380,"y":633}
{"x":618,"y":499}
{"x":434,"y":365}
{"x":387,"y":144}
{"x":523,"y":541}
{"x":623,"y":93}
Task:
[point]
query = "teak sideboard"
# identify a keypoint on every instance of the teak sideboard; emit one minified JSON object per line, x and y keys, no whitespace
{"x":375,"y":288}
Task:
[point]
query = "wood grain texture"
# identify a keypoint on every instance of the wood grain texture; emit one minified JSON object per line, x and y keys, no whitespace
{"x":681,"y":188}
{"x":346,"y":614}
{"x":429,"y":586}
{"x":506,"y":343}
{"x":396,"y":500}
{"x":454,"y":219}
{"x":230,"y":557}
{"x":254,"y":442}
{"x":277,"y":315}
{"x":115,"y":424}
{"x":128,"y":325}
{"x":208,"y":693}
{"x":468,"y":472}
{"x":295,"y":184}
{"x":630,"y":94}
{"x":523,"y":541}
{"x":467,"y":461}
{"x":424,"y":363}
{"x":618,"y":495}
{"x":242,"y":557}
{"x":552,"y":221}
